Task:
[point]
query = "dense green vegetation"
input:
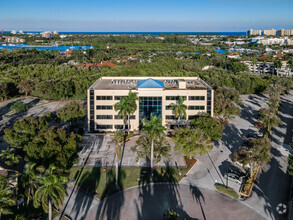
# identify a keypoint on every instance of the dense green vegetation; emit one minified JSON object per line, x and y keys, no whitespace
{"x":19,"y":106}
{"x":56,"y":79}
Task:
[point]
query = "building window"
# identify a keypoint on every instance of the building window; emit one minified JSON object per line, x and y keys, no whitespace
{"x":191,"y":117}
{"x":104,"y":107}
{"x":131,"y":117}
{"x":104,"y":126}
{"x":174,"y":97}
{"x":104,"y":116}
{"x":192,"y":98}
{"x":172,"y":117}
{"x":104,"y":98}
{"x":118,"y":97}
{"x":118,"y":126}
{"x":195,"y":107}
{"x":168,"y":107}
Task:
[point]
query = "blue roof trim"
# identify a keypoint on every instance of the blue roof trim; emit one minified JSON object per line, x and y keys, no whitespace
{"x":150,"y":84}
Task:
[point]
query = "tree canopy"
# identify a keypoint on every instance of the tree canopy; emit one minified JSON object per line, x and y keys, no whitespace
{"x":71,"y":112}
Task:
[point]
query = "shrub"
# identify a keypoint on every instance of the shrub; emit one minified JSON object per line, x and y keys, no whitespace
{"x":19,"y":106}
{"x":227,"y":191}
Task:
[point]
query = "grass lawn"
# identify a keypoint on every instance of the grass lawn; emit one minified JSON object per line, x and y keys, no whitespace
{"x":228,"y":191}
{"x":101,"y":182}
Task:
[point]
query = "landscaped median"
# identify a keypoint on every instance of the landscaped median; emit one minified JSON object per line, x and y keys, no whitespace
{"x":247,"y":186}
{"x":227,"y":191}
{"x":100,"y":181}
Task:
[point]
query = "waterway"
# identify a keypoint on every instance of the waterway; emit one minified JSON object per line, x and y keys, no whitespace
{"x":59,"y":48}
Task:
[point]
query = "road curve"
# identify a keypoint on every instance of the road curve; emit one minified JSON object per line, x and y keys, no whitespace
{"x":150,"y":201}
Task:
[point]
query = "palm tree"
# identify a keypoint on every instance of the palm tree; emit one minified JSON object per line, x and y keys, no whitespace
{"x":29,"y":181}
{"x":269,"y":120}
{"x":10,"y":156}
{"x":190,"y":142}
{"x":179,"y":109}
{"x":153,"y":129}
{"x":119,"y":138}
{"x":7,"y":196}
{"x":123,"y":109}
{"x":131,"y":100}
{"x":51,"y":190}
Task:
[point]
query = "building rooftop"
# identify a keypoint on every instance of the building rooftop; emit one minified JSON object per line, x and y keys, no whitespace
{"x":167,"y":83}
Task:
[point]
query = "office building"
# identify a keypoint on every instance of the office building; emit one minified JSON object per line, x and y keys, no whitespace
{"x":253,"y":32}
{"x":269,"y":32}
{"x":156,"y":95}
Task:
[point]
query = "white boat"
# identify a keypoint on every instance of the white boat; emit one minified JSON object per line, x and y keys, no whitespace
{"x":11,"y":45}
{"x":3,"y":44}
{"x":91,"y":47}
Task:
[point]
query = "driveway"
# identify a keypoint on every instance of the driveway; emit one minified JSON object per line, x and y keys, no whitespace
{"x":151,"y":201}
{"x":273,"y":185}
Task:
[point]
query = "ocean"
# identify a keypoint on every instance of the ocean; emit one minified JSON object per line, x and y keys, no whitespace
{"x":148,"y":33}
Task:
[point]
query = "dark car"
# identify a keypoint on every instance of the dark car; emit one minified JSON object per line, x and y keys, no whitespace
{"x":236,"y":171}
{"x":234,"y":178}
{"x":254,"y":135}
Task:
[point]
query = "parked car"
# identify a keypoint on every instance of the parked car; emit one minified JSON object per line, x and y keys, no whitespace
{"x":233,"y":177}
{"x":236,"y":171}
{"x":254,"y":135}
{"x":256,"y":124}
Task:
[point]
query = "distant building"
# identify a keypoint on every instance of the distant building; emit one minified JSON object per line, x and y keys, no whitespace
{"x":268,"y":41}
{"x":253,"y":32}
{"x":269,"y":32}
{"x":284,"y":70}
{"x":55,"y":32}
{"x":14,"y":40}
{"x":21,"y":32}
{"x":284,"y":32}
{"x":261,"y":68}
{"x":234,"y":55}
{"x":46,"y":34}
{"x":14,"y":32}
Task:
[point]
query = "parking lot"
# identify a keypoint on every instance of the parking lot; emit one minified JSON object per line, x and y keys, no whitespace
{"x":272,"y":187}
{"x":99,"y":150}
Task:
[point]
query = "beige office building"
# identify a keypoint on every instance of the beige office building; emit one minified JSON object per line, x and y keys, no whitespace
{"x":269,"y":32}
{"x":156,"y":95}
{"x":253,"y":32}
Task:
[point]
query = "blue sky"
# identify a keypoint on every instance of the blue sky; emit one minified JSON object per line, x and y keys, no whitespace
{"x":140,"y":15}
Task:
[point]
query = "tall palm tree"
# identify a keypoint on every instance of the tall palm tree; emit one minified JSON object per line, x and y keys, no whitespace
{"x":51,"y":190}
{"x":179,"y":109}
{"x":153,"y":129}
{"x":29,"y":181}
{"x":119,"y":138}
{"x":269,"y":120}
{"x":131,"y":100}
{"x":7,"y":196}
{"x":123,"y":109}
